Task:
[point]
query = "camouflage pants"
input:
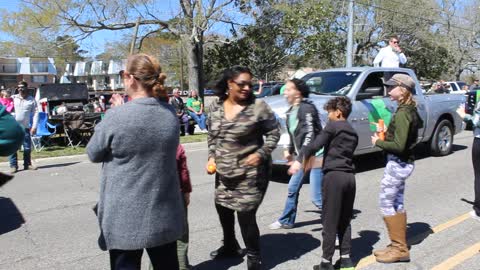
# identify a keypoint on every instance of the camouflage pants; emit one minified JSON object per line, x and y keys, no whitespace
{"x":393,"y":185}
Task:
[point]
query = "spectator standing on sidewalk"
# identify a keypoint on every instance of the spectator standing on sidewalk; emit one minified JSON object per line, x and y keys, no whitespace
{"x":177,"y":102}
{"x":7,"y":100}
{"x":400,"y":140}
{"x":475,"y":85}
{"x":196,"y":110}
{"x":475,"y":120}
{"x":391,"y":55}
{"x":26,"y":114}
{"x":303,"y":125}
{"x":339,"y":187}
{"x":140,"y":205}
{"x":243,"y":133}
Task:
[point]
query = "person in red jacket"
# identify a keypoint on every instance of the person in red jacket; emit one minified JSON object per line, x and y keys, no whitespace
{"x":186,"y":188}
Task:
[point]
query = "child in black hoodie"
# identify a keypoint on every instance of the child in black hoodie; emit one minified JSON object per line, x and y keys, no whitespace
{"x":339,"y":140}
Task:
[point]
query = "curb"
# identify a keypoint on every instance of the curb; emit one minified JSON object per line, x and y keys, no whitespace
{"x":187,"y":146}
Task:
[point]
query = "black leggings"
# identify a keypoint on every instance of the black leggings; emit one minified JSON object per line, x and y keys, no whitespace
{"x":248,"y":227}
{"x":476,"y":171}
{"x":338,"y":189}
{"x":162,"y":257}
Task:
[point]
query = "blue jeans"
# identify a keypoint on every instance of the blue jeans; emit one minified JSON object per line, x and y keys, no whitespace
{"x":27,"y":148}
{"x":294,"y":185}
{"x":200,"y":119}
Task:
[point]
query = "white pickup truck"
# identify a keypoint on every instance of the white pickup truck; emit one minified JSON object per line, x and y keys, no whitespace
{"x":364,"y":86}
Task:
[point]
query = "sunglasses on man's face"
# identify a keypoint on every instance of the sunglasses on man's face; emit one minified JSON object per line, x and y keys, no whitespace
{"x":394,"y":41}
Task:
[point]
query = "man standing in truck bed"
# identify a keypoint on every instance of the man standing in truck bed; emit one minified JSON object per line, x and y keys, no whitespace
{"x":390,"y":56}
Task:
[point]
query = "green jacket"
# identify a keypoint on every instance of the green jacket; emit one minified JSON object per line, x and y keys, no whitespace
{"x":402,"y":133}
{"x":11,"y":133}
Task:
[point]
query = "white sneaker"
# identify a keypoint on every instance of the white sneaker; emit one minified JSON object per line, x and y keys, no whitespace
{"x":277,"y":225}
{"x":474,"y":215}
{"x":205,"y":131}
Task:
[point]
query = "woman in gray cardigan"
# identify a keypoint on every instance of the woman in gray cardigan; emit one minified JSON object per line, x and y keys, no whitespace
{"x":140,"y":204}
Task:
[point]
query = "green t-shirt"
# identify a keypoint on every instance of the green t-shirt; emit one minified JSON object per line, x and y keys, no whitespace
{"x":194,"y":103}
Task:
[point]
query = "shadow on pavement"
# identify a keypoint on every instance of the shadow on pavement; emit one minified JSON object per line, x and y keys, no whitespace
{"x":279,"y":248}
{"x":417,"y":232}
{"x":275,"y":249}
{"x":10,"y":216}
{"x":363,"y":246}
{"x":467,"y":201}
{"x":58,"y":165}
{"x":220,"y":264}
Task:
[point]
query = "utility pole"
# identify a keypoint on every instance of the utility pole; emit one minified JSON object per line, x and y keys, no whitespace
{"x":132,"y":45}
{"x":350,"y":34}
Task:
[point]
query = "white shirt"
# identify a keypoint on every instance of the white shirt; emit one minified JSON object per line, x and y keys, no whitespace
{"x":25,"y":109}
{"x":389,"y":58}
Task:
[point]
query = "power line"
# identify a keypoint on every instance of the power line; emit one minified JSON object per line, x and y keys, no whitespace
{"x":433,"y":9}
{"x":420,"y":18}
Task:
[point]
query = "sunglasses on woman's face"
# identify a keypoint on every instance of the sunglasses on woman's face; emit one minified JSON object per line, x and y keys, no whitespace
{"x":123,"y":74}
{"x":242,"y":85}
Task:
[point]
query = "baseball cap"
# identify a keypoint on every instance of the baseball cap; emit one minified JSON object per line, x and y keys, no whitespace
{"x":22,"y":84}
{"x":401,"y":80}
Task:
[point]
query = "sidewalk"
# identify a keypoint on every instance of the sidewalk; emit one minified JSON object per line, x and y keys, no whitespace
{"x":194,"y":146}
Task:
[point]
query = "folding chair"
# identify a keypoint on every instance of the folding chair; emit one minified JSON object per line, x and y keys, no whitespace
{"x":76,"y":129}
{"x":44,"y":134}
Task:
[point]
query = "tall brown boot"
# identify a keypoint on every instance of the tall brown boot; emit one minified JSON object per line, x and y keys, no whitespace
{"x":397,"y":229}
{"x":381,"y":252}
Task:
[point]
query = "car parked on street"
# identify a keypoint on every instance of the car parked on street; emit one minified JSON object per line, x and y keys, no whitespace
{"x":456,"y":87}
{"x":268,"y":89}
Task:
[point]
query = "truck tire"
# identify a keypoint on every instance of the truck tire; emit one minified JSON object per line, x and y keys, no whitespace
{"x":442,"y":140}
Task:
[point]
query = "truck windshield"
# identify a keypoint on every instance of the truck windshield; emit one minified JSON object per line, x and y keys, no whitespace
{"x":334,"y":83}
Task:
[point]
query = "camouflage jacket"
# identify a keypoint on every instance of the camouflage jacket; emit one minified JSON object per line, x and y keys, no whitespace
{"x":254,"y":130}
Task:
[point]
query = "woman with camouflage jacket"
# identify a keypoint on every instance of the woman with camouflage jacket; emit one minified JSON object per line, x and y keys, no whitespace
{"x":243,"y":132}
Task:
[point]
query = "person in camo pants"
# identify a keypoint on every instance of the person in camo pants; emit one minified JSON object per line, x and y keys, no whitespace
{"x":401,"y":138}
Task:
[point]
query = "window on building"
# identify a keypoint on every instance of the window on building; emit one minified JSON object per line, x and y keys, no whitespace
{"x":40,"y":79}
{"x":9,"y":68}
{"x":39,"y":67}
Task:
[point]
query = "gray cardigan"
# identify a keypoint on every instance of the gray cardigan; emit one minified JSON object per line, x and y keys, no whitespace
{"x":140,"y":204}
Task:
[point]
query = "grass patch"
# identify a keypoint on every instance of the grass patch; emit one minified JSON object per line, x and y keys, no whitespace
{"x":58,"y":151}
{"x":52,"y":151}
{"x":193,"y":138}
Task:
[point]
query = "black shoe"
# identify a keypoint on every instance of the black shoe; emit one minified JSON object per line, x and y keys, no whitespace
{"x":323,"y":266}
{"x":226,"y":252}
{"x":344,"y":264}
{"x":254,"y":263}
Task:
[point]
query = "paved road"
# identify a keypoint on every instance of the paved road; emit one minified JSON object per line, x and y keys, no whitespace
{"x":46,"y":221}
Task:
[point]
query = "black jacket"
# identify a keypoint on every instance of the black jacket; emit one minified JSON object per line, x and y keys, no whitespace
{"x":178,"y":104}
{"x":308,"y":127}
{"x":339,"y":140}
